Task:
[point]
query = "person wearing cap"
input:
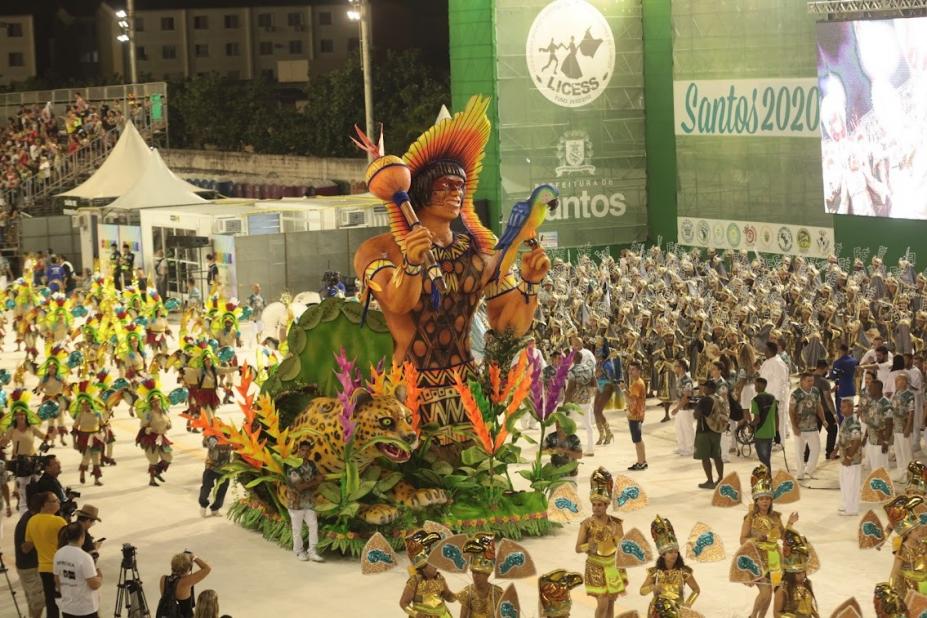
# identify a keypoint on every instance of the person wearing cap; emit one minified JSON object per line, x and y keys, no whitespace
{"x":598,"y":538}
{"x":426,"y":593}
{"x":795,"y":597}
{"x":87,"y":516}
{"x":849,"y":444}
{"x":902,"y":422}
{"x":669,"y":578}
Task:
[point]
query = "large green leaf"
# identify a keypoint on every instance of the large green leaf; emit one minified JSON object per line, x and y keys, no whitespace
{"x":473,"y":455}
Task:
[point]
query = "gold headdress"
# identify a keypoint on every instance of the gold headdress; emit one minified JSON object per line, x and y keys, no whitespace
{"x":795,"y":552}
{"x":901,"y":515}
{"x":419,"y":544}
{"x":482,"y":550}
{"x":761,"y":483}
{"x":663,"y":535}
{"x":887,"y":602}
{"x":554,"y":592}
{"x":601,"y":486}
{"x":917,"y":478}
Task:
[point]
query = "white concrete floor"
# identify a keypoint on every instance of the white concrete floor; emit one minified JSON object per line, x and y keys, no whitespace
{"x":255,"y":578}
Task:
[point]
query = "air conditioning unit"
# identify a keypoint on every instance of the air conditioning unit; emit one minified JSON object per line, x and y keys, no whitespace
{"x":229,"y":226}
{"x":353,"y":218}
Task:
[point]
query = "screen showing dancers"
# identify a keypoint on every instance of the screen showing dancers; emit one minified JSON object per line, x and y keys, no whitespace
{"x":873,"y":80}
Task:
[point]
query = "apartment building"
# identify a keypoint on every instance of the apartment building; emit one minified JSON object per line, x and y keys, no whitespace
{"x":285,"y":41}
{"x":17,"y":48}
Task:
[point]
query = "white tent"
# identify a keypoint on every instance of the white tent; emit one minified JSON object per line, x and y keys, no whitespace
{"x":157,"y":187}
{"x":124,"y":165}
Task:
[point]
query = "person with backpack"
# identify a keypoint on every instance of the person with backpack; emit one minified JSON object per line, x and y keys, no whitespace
{"x":177,"y":588}
{"x":711,"y":420}
{"x":765,"y":420}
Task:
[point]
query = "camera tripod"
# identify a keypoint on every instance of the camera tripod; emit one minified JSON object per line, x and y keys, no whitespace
{"x":5,"y":572}
{"x":129,"y":592}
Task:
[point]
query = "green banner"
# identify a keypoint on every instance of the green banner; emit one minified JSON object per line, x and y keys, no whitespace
{"x":571,"y":113}
{"x":157,"y":108}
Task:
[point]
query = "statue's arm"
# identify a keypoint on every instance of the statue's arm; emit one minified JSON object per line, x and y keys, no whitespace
{"x":395,"y":284}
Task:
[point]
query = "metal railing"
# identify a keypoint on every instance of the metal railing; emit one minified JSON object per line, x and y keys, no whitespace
{"x":124,"y":94}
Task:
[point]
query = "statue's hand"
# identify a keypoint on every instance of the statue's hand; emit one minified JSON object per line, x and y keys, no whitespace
{"x":534,"y":265}
{"x":418,"y":243}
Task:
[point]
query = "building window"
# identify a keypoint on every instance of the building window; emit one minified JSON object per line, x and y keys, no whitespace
{"x":267,"y":74}
{"x":353,"y":44}
{"x":14,"y":29}
{"x":266,"y":48}
{"x":169,"y":52}
{"x":201,"y":50}
{"x":201,"y":22}
{"x":326,"y":46}
{"x":265,"y":20}
{"x":140,"y":52}
{"x":17,"y":59}
{"x":231,"y":21}
{"x":296,"y":19}
{"x":167,"y":23}
{"x":231,"y":49}
{"x":296,"y":47}
{"x":139,"y":24}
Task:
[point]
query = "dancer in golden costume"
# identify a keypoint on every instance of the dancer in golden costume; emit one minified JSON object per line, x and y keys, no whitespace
{"x":599,"y":536}
{"x":426,"y":591}
{"x":795,"y":596}
{"x":669,"y":578}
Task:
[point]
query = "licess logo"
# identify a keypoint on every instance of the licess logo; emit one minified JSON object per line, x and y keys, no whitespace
{"x":570,"y":52}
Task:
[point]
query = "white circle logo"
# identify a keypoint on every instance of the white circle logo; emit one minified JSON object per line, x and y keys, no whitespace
{"x":570,"y":52}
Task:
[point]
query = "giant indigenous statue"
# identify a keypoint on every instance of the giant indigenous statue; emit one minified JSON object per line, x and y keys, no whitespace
{"x":428,"y":279}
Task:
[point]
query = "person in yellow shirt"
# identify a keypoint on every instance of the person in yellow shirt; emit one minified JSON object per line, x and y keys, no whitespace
{"x":42,"y":535}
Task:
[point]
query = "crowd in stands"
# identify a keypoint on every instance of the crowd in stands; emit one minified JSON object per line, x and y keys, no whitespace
{"x":36,"y":141}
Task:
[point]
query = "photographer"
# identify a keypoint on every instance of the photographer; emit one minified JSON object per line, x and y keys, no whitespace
{"x":49,"y":481}
{"x":42,"y":535}
{"x":77,"y":577}
{"x":179,"y":584}
{"x":217,"y":455}
{"x":22,"y":434}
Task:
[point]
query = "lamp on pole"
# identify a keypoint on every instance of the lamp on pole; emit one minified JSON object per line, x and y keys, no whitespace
{"x":126,"y":22}
{"x":360,"y":12}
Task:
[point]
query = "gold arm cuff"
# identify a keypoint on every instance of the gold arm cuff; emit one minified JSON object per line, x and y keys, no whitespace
{"x":584,"y":548}
{"x":527,"y":288}
{"x":374,"y":267}
{"x":691,"y":600}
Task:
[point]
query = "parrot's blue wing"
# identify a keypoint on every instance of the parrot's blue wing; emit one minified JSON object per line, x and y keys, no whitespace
{"x":517,"y":218}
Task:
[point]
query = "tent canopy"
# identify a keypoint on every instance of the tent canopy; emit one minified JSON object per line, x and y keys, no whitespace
{"x":124,"y":165}
{"x":157,"y":187}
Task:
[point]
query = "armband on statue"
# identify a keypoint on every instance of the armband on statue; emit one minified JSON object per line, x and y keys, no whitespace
{"x":528,"y":288}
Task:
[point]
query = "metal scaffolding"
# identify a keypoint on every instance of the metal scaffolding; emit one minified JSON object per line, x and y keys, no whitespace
{"x":867,"y":8}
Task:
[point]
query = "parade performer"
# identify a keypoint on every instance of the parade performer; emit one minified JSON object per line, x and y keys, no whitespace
{"x":20,"y":426}
{"x":228,"y":334}
{"x":203,"y":383}
{"x":53,"y":386}
{"x":89,"y":436}
{"x":902,"y":403}
{"x":157,"y":331}
{"x":599,"y":536}
{"x":850,"y":445}
{"x":909,"y":571}
{"x":152,"y":407}
{"x":481,"y":598}
{"x":426,"y":591}
{"x":430,"y":327}
{"x":763,"y":526}
{"x":130,"y":356}
{"x":887,"y":602}
{"x":669,"y":578}
{"x":795,"y":597}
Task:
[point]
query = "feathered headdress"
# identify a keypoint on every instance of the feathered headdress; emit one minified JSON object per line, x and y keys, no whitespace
{"x":58,"y":357}
{"x":86,"y":391}
{"x":18,"y":402}
{"x":453,"y":145}
{"x":226,"y":311}
{"x":148,"y":391}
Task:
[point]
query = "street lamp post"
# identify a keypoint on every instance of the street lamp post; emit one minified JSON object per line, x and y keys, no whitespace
{"x":360,"y":12}
{"x":126,"y":22}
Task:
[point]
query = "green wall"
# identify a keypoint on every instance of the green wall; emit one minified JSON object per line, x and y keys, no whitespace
{"x":473,"y":71}
{"x":658,"y":107}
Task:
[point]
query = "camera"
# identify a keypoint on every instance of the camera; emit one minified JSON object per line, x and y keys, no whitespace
{"x":28,"y":465}
{"x":128,"y":556}
{"x":70,"y":504}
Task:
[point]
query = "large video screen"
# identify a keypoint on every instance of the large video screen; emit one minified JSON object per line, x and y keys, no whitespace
{"x":873,"y":80}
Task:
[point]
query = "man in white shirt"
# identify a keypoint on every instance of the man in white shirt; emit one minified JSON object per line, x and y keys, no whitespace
{"x":876,"y":340}
{"x":776,"y":374}
{"x":881,"y":364}
{"x":77,"y":577}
